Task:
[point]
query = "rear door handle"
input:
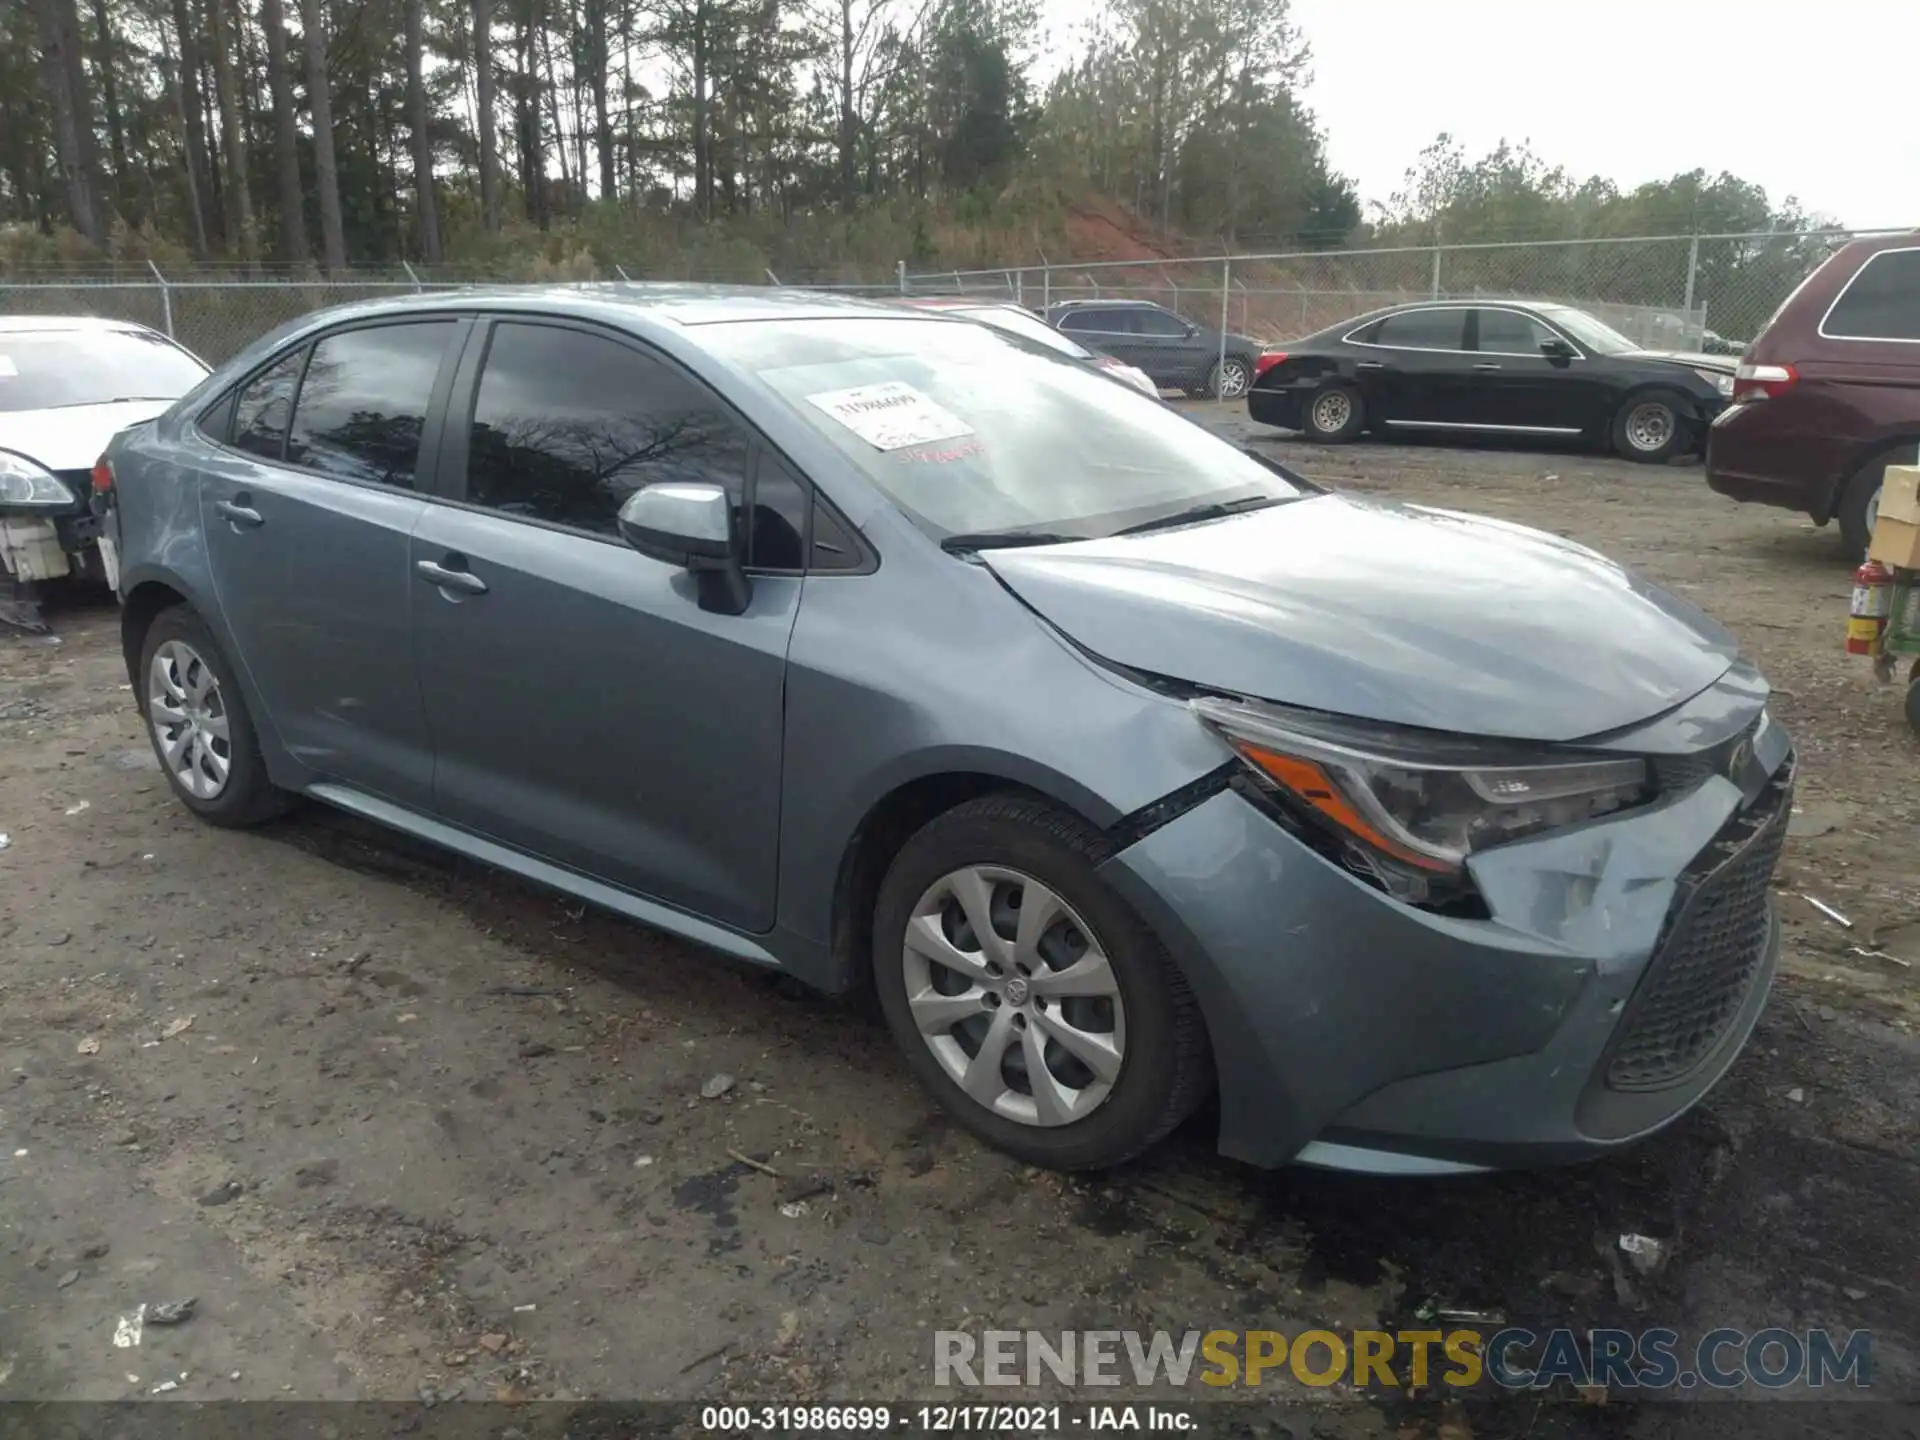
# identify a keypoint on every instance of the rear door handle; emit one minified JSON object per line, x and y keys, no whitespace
{"x":1370,"y":365}
{"x":1486,"y":365}
{"x":241,"y":517}
{"x":464,"y":581}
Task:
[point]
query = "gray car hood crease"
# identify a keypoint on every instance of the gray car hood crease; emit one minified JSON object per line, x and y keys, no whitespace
{"x":1392,"y":613}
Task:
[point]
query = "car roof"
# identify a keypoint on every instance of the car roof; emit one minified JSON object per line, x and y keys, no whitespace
{"x":48,"y":324}
{"x":683,"y":304}
{"x":1115,"y":304}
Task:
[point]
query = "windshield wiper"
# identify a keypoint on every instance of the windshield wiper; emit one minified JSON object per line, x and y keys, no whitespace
{"x":1003,"y":539}
{"x":1212,"y":510}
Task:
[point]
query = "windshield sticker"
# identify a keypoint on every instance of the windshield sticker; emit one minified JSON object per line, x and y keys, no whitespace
{"x":892,"y":416}
{"x":8,"y":370}
{"x":941,"y":454}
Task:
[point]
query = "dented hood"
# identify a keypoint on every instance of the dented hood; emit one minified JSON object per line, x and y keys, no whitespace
{"x":1393,"y":613}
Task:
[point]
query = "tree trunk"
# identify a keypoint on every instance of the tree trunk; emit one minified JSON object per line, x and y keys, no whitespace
{"x":543,"y":39}
{"x":72,"y":117}
{"x":110,"y":97}
{"x":326,"y":170}
{"x":598,"y":63}
{"x":702,"y":140}
{"x":286,"y":136}
{"x":489,"y":145}
{"x":429,"y":215}
{"x":233,"y":136}
{"x":533,"y":150}
{"x":849,"y":127}
{"x":192,"y":124}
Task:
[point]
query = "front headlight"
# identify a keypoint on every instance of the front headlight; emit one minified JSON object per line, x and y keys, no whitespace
{"x":1406,"y":808}
{"x":22,"y":482}
{"x":1722,"y":383}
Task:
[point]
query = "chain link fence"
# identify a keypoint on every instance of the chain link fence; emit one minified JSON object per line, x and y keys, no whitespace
{"x":1711,"y":292}
{"x":1704,"y":292}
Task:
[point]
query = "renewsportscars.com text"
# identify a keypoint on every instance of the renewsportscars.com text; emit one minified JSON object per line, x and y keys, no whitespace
{"x":1513,"y":1358}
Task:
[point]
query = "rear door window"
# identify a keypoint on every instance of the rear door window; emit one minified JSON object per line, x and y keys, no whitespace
{"x":1160,"y":323}
{"x":364,"y":400}
{"x":265,"y":407}
{"x":1882,"y":302}
{"x":1098,"y":322}
{"x":1422,"y":330}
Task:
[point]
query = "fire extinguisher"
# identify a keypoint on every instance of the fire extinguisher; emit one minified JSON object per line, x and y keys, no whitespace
{"x":1872,"y":603}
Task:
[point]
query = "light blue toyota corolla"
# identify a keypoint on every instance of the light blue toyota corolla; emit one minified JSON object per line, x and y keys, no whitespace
{"x":1127,"y":766}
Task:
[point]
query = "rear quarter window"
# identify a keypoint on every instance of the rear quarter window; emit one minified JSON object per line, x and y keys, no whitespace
{"x":1881,"y":302}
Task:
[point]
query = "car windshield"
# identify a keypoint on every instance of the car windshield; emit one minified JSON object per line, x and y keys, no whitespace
{"x":47,"y":369}
{"x":969,"y":432}
{"x":1601,"y":338}
{"x":1030,"y":327}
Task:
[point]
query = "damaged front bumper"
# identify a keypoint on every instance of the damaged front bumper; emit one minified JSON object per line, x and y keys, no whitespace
{"x":36,"y":547}
{"x":1621,"y":969}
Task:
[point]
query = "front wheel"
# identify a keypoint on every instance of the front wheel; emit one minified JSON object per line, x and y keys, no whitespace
{"x":1027,"y":996}
{"x":1230,"y":379}
{"x":1649,"y":428}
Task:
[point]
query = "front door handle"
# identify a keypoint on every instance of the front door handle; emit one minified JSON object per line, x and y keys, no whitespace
{"x":464,"y":581}
{"x":1370,"y":365}
{"x":1486,"y":365}
{"x":241,"y":517}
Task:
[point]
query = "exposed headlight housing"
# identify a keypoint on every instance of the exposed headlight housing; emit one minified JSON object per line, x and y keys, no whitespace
{"x":1406,"y":809}
{"x":23,"y":482}
{"x":1722,"y":383}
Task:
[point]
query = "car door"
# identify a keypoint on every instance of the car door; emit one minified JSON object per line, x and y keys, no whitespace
{"x":1177,"y":355}
{"x":1109,"y":330}
{"x":585,"y":709}
{"x":1519,"y":387}
{"x":1413,"y":367}
{"x":308,"y":512}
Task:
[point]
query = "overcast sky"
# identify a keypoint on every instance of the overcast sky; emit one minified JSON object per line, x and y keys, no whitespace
{"x":1817,"y":100}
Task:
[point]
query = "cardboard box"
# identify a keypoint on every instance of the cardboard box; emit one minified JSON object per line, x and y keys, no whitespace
{"x":1895,"y":542}
{"x":1900,"y":493}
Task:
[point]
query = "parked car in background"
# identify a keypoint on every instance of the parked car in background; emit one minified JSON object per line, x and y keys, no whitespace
{"x":1174,"y":351}
{"x":67,"y":383}
{"x":1829,"y":394}
{"x":1506,"y":368}
{"x":880,"y":649}
{"x":1019,"y":321}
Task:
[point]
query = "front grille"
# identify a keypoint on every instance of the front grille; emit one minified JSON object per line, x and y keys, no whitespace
{"x":1683,"y":772}
{"x":1715,"y":939}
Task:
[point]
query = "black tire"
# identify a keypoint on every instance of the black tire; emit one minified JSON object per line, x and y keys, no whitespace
{"x":1166,"y":1067}
{"x":1913,"y":704}
{"x":248,"y":797}
{"x":1334,"y":413}
{"x":1856,"y":500}
{"x":1230,"y":380}
{"x":1645,"y":415}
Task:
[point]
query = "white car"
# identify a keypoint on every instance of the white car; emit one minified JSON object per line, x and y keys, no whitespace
{"x":1016,"y":320}
{"x":68,"y":384}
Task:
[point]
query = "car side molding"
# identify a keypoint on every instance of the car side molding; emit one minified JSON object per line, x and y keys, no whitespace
{"x":541,"y":872}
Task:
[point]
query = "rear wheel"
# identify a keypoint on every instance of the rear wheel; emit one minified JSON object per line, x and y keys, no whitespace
{"x":1860,"y":505}
{"x":199,"y":725}
{"x":1230,"y":379}
{"x":1650,"y":427}
{"x":1336,"y":413}
{"x":1027,"y":996}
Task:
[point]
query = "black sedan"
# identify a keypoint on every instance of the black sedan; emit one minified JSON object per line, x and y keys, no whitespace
{"x":1522,"y":370}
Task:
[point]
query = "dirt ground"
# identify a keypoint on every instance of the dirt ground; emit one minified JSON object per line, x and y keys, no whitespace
{"x":403,"y":1126}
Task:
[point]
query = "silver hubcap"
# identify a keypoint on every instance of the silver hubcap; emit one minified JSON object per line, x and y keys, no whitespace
{"x":189,"y":720}
{"x":1332,"y":411}
{"x":1873,"y":510}
{"x":1649,"y":426}
{"x":1232,"y":380}
{"x":1014,"y":996}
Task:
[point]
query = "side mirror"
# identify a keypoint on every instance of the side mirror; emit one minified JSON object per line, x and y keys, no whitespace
{"x":1554,"y":348}
{"x":692,"y":526}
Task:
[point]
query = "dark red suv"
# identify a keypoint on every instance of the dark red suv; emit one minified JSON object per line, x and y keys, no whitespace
{"x":1828,"y":396}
